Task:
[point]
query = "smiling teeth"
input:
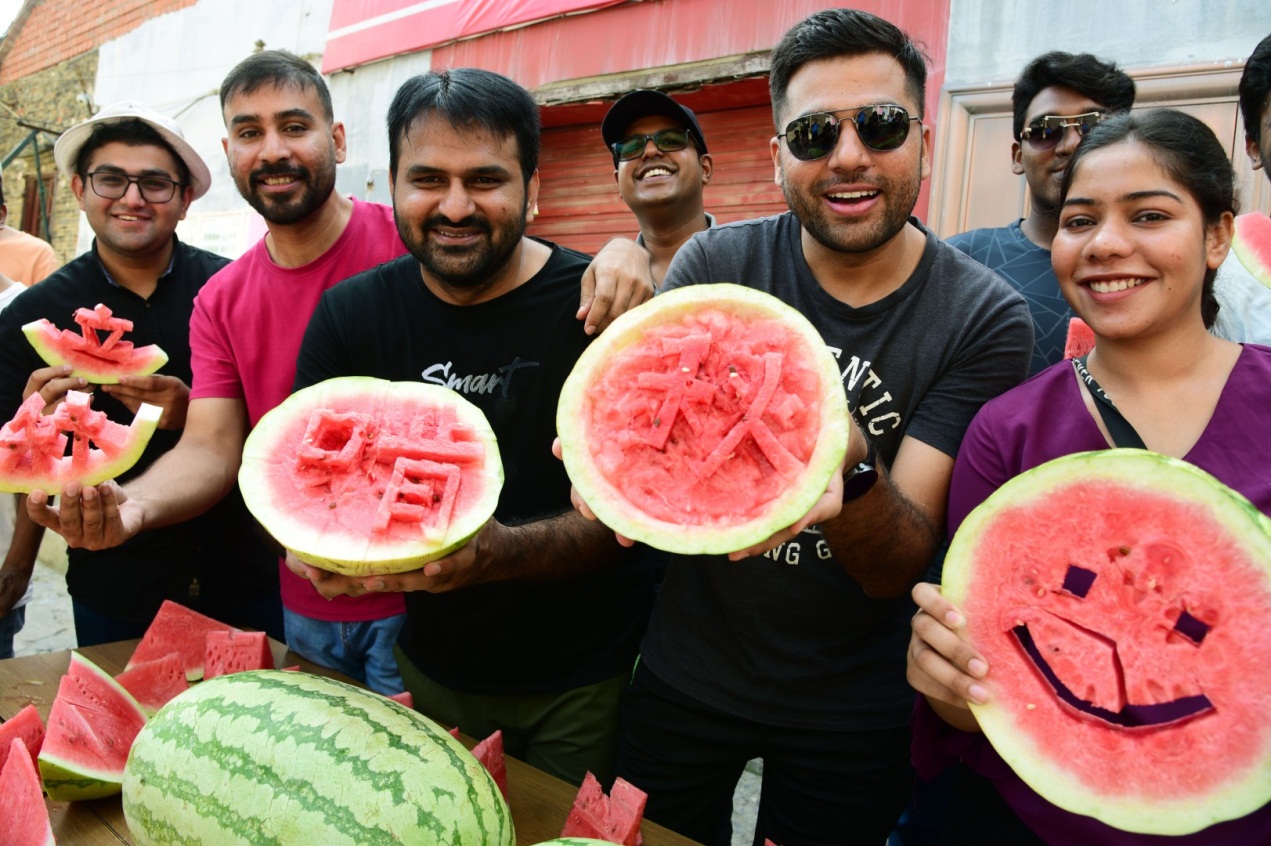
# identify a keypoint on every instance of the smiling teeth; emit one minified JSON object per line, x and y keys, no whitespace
{"x":1118,"y":285}
{"x":852,"y":195}
{"x":656,"y":171}
{"x":276,"y":180}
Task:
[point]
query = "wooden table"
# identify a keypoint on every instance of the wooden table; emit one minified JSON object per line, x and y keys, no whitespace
{"x":539,"y":801}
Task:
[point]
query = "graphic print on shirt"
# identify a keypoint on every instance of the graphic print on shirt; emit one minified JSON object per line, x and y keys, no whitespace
{"x":444,"y":374}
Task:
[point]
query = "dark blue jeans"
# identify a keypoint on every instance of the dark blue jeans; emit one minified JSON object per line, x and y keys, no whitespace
{"x":10,"y":625}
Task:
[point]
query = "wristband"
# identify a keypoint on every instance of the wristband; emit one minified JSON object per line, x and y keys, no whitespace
{"x":861,"y":479}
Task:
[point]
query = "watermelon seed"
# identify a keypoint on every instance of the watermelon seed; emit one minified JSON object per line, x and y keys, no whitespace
{"x":330,"y":505}
{"x":657,"y":421}
{"x":1125,"y":550}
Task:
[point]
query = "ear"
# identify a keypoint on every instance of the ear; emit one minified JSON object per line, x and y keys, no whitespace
{"x":225,"y":147}
{"x":1218,"y":240}
{"x":187,"y":197}
{"x":1017,"y":159}
{"x":1254,"y":151}
{"x":925,"y":152}
{"x":775,"y":150}
{"x":708,"y":166}
{"x":531,"y":197}
{"x":337,"y":133}
{"x":77,"y":188}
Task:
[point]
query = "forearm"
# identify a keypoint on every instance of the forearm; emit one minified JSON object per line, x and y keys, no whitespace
{"x":19,"y":561}
{"x":183,"y":483}
{"x":556,"y":547}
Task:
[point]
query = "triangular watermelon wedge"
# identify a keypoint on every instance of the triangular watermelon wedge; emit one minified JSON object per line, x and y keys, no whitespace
{"x":91,"y":727}
{"x":236,"y":652}
{"x":154,"y":683}
{"x":613,"y":819}
{"x":22,"y":808}
{"x":178,"y":629}
{"x":490,"y":753}
{"x":1080,"y":340}
{"x":26,"y":726}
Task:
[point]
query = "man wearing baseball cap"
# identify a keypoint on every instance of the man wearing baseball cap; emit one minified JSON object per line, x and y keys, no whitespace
{"x":661,"y":166}
{"x":135,"y":177}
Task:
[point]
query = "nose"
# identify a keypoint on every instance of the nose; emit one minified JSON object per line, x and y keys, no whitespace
{"x":457,"y":203}
{"x":275,"y":147}
{"x":849,"y":154}
{"x":1107,"y":241}
{"x":1068,"y":141}
{"x":646,"y":152}
{"x":132,"y":195}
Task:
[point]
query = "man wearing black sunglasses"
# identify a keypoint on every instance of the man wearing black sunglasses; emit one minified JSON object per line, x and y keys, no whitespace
{"x":1057,"y":99}
{"x":661,"y":166}
{"x":797,"y":655}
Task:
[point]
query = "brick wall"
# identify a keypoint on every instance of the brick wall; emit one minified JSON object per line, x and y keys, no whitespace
{"x":57,"y":30}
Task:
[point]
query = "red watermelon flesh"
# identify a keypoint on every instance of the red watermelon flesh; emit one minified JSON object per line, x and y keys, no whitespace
{"x":490,"y":753}
{"x":23,"y":812}
{"x":91,"y":727}
{"x":1080,"y":338}
{"x":1120,"y":599}
{"x":236,"y":652}
{"x":178,"y":629}
{"x":405,"y":698}
{"x":626,"y":812}
{"x":454,"y":732}
{"x":98,"y":358}
{"x":25,"y":726}
{"x":613,"y":819}
{"x":154,"y":683}
{"x":1252,"y":245}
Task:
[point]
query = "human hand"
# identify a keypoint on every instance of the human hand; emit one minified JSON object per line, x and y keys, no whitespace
{"x":52,"y":383}
{"x":89,"y":517}
{"x":825,"y":508}
{"x":13,"y":584}
{"x":617,"y":280}
{"x":167,"y":392}
{"x":942,"y":665}
{"x":580,"y":505}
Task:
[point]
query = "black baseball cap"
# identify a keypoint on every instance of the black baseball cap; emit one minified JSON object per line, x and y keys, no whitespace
{"x":643,"y":102}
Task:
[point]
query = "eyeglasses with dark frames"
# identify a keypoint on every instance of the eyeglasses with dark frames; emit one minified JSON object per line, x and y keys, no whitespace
{"x":1048,"y":130}
{"x":666,"y":140}
{"x":881,"y":128}
{"x":112,"y":184}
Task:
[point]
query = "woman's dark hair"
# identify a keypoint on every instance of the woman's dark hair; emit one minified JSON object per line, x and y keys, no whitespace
{"x":1186,"y":149}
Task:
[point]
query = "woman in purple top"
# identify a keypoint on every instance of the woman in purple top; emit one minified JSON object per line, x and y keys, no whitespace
{"x":1147,"y":208}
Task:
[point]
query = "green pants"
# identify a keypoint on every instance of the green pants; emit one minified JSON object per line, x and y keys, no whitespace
{"x":565,"y":734}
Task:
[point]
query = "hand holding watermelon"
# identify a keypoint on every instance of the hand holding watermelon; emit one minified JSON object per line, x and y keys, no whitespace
{"x":52,"y":383}
{"x":89,"y":517}
{"x":167,"y":392}
{"x":942,"y":665}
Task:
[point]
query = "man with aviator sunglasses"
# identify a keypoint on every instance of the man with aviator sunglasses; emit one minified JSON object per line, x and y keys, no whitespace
{"x":661,"y":166}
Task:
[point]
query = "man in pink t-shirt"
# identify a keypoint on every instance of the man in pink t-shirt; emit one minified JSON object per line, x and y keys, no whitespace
{"x":283,"y":146}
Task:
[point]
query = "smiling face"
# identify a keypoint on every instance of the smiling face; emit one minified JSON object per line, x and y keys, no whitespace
{"x":1044,"y":169}
{"x":282,"y":151}
{"x":130,"y":226}
{"x":854,"y":200}
{"x":658,"y":179}
{"x":461,"y":203}
{"x":1133,"y":247}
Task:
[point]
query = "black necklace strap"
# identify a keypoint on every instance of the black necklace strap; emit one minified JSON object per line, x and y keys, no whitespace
{"x":1123,"y":434}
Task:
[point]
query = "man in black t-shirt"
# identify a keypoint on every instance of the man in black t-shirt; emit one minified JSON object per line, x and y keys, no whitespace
{"x":533,"y":626}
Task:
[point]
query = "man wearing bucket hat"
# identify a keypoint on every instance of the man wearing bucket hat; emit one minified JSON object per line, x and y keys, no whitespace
{"x":661,"y":166}
{"x":135,"y":176}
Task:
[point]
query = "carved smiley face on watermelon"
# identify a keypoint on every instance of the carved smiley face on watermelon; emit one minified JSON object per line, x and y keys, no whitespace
{"x":1122,"y":601}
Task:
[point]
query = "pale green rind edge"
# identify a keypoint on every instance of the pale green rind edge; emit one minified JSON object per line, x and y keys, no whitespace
{"x":1156,"y":472}
{"x":141,"y":430}
{"x":613,"y":509}
{"x":575,"y":841}
{"x":351,"y":558}
{"x":155,"y":358}
{"x":1242,"y":245}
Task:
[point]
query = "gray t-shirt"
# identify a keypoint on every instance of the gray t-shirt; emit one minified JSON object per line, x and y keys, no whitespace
{"x":789,"y":638}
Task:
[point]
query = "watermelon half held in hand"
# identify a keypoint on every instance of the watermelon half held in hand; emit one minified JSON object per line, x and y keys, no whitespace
{"x":1122,"y":600}
{"x":23,"y":814}
{"x":1252,"y":245}
{"x":33,"y":444}
{"x":97,"y":359}
{"x":362,"y":476}
{"x":704,"y":421}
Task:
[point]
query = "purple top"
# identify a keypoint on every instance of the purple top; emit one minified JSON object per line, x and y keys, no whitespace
{"x":1046,"y":418}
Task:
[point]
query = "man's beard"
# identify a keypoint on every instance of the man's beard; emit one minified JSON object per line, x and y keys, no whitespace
{"x":854,"y":237}
{"x":316,"y":187}
{"x":469,"y":269}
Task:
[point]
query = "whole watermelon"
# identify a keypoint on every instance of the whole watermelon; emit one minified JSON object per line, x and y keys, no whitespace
{"x":275,"y":757}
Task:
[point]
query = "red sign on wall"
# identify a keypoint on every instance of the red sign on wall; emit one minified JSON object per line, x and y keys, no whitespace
{"x":362,"y":31}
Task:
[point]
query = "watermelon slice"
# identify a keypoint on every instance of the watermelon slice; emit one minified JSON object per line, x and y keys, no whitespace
{"x":1121,"y":599}
{"x":154,"y":683}
{"x":33,"y":444}
{"x":1252,"y":245}
{"x":91,"y":727}
{"x":404,"y":698}
{"x":236,"y":652}
{"x":1080,"y":338}
{"x":613,"y":819}
{"x":26,"y":817}
{"x":704,"y":421}
{"x":176,"y":628}
{"x":364,"y":476}
{"x":25,"y":726}
{"x":490,"y":753}
{"x":94,"y":358}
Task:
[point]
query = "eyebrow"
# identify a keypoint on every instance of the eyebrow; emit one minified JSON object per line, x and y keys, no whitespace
{"x":287,"y":114}
{"x":483,"y":170}
{"x":150,"y":171}
{"x":1133,"y":196}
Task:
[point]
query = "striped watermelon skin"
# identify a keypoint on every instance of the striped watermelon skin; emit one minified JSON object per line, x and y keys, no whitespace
{"x":272,"y":757}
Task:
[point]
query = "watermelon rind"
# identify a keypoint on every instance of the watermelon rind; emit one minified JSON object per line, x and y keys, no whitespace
{"x":608,"y":501}
{"x":1251,"y":242}
{"x":316,"y":535}
{"x":1245,"y":788}
{"x":280,"y":757}
{"x":45,"y":338}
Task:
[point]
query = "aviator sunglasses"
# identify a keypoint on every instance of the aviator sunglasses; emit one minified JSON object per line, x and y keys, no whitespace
{"x":666,"y":140}
{"x":1047,"y":131}
{"x":880,"y":128}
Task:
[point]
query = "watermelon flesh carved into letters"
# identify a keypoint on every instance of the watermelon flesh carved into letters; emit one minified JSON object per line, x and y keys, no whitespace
{"x":97,"y":359}
{"x":705,"y":420}
{"x":363,"y":476}
{"x":23,"y":812}
{"x":1121,"y":600}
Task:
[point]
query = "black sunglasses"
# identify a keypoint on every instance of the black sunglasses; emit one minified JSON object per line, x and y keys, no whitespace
{"x":1047,"y":131}
{"x":666,"y":140}
{"x":880,"y":128}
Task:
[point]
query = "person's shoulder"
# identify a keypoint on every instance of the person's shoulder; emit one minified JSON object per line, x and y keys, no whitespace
{"x":388,"y":276}
{"x":972,"y":277}
{"x":1022,"y":402}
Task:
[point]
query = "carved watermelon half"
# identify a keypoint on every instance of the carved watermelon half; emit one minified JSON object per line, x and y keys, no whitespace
{"x":1252,"y":245}
{"x":1122,"y":601}
{"x":364,"y":476}
{"x":33,"y":444}
{"x":705,"y":420}
{"x":98,"y":352}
